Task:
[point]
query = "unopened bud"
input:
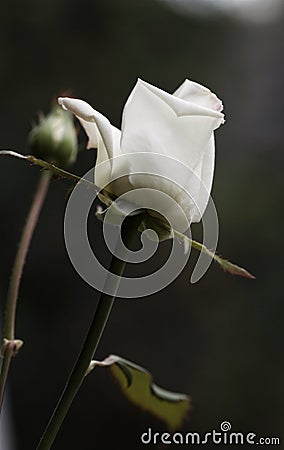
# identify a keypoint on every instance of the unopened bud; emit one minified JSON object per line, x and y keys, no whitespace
{"x":54,"y":139}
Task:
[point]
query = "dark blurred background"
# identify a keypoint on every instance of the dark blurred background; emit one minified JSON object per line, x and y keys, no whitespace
{"x":220,"y":340}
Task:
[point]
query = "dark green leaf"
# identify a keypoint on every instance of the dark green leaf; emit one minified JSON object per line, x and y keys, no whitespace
{"x":137,"y":385}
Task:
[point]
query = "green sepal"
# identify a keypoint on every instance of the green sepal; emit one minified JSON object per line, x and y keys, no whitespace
{"x":157,"y":223}
{"x":226,"y":265}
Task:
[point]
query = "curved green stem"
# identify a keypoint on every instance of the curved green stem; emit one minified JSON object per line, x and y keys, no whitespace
{"x":88,"y":349}
{"x":10,"y":347}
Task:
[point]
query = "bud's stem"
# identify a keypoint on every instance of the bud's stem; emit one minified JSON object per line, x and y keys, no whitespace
{"x":17,"y":271}
{"x":89,"y":347}
{"x":4,"y":371}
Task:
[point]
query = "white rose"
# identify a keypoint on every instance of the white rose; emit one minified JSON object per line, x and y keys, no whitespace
{"x":168,"y":130}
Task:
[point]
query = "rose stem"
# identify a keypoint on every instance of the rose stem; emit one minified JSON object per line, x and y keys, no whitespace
{"x":89,"y":347}
{"x":17,"y":271}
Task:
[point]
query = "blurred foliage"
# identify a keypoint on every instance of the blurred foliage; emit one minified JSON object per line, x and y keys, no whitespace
{"x":224,"y":334}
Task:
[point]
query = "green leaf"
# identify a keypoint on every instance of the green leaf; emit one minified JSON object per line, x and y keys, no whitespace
{"x":137,"y":385}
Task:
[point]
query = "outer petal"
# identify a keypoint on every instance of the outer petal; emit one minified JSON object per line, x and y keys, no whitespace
{"x":200,"y":184}
{"x":184,"y":106}
{"x":157,"y":122}
{"x":102,"y":135}
{"x":191,"y":91}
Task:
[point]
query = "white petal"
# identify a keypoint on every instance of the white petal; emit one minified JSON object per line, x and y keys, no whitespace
{"x":157,"y":122}
{"x":184,"y":106}
{"x":150,"y":125}
{"x":191,"y":91}
{"x":102,"y":135}
{"x":102,"y":127}
{"x":200,"y":184}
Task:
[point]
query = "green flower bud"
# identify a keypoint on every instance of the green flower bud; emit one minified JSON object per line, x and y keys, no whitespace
{"x":54,"y":139}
